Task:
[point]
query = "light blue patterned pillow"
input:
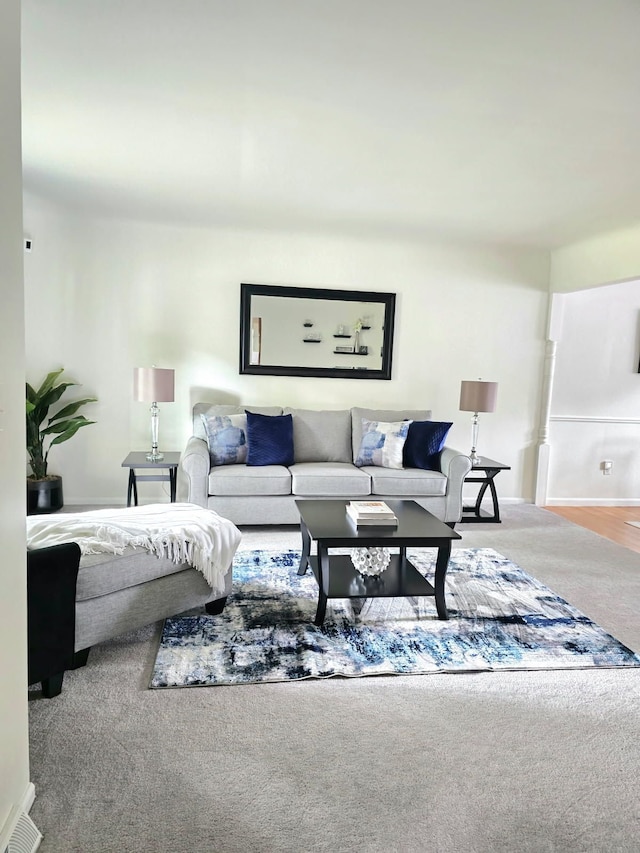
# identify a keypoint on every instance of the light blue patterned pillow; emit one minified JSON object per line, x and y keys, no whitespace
{"x":227,"y":438}
{"x":382,"y":443}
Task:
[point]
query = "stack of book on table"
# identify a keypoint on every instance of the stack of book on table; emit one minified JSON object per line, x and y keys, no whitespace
{"x":371,"y":512}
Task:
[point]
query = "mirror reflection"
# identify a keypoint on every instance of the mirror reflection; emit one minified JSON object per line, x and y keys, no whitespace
{"x":316,"y":332}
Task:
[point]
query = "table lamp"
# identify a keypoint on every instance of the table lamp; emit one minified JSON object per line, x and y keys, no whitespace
{"x":477,"y":396}
{"x":153,"y":385}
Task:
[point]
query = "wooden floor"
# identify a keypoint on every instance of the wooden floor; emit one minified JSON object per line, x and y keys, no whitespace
{"x":608,"y":521}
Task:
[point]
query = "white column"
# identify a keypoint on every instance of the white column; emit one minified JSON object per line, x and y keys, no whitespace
{"x":544,"y":448}
{"x":556,"y":307}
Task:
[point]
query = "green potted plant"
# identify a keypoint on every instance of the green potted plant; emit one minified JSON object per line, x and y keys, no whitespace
{"x":44,"y":490}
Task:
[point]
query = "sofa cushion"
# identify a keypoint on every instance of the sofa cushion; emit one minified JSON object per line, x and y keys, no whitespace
{"x":246,"y":480}
{"x":408,"y":482}
{"x":226,"y":437}
{"x":424,"y":442}
{"x":270,"y":439}
{"x":357,"y":414}
{"x":321,"y":435}
{"x":382,"y":443}
{"x":217,"y":409}
{"x":329,"y":479}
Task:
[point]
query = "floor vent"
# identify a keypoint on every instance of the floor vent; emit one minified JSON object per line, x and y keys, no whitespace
{"x":26,"y":837}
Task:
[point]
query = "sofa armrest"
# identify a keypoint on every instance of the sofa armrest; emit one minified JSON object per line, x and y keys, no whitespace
{"x":52,"y":575}
{"x":193,"y":472}
{"x":455,"y":465}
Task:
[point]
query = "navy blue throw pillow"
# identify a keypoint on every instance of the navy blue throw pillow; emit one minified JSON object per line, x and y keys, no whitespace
{"x":424,"y":443}
{"x":269,"y":439}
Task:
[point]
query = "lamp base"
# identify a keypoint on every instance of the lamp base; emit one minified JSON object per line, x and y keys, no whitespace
{"x":475,"y":428}
{"x":155,"y":456}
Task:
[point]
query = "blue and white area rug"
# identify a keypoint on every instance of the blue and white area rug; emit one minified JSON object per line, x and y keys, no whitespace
{"x":500,"y":619}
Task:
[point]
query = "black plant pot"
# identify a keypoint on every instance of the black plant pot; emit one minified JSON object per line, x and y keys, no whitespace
{"x":44,"y":495}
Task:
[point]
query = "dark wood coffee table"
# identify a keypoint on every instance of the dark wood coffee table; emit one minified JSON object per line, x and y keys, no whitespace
{"x":327,"y":522}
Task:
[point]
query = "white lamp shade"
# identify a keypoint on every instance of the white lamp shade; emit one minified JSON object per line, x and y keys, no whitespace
{"x":477,"y":396}
{"x":153,"y":384}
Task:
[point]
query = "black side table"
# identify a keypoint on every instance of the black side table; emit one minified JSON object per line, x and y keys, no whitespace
{"x":489,"y":469}
{"x":138,"y":459}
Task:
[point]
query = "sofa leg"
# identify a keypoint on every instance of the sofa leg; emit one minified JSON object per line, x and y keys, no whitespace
{"x":214,"y":608}
{"x":80,"y":658}
{"x":52,"y":686}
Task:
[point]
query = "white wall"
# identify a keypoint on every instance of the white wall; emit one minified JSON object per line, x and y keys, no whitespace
{"x":15,"y":790}
{"x":604,"y":259}
{"x":595,"y":409}
{"x":105,"y":296}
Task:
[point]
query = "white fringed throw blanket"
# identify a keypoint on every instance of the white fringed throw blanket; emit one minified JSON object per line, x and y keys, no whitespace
{"x":182,"y":532}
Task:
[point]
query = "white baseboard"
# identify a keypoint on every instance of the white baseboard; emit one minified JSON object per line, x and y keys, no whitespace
{"x":593,"y":502}
{"x":20,"y":834}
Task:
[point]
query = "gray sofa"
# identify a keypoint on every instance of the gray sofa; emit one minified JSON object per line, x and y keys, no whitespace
{"x":76,"y":602}
{"x":326,"y":443}
{"x":116,"y":593}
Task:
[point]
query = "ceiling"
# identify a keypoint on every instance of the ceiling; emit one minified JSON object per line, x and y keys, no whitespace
{"x":503,"y":121}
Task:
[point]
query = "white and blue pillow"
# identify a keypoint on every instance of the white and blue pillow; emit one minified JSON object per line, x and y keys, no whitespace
{"x":382,"y":443}
{"x":227,"y":438}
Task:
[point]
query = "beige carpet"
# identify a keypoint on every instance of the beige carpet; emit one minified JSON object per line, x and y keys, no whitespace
{"x":484,"y":763}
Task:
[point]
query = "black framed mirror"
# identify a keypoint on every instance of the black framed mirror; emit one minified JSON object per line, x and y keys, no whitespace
{"x":307,"y":331}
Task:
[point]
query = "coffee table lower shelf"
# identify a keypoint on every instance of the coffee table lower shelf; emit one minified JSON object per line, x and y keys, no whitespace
{"x":340,"y":579}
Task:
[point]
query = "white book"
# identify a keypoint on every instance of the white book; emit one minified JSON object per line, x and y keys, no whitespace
{"x":389,"y":521}
{"x":371,"y":509}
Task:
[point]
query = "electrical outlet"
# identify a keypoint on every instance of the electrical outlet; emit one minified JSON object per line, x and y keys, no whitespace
{"x":605,"y":466}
